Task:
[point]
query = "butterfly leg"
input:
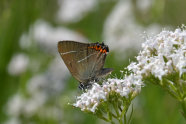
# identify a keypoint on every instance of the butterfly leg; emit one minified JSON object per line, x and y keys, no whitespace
{"x":81,"y":86}
{"x":84,"y":86}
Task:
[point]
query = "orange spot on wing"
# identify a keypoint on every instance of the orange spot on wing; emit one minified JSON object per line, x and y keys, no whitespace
{"x":99,"y":48}
{"x":96,"y":48}
{"x":104,"y":51}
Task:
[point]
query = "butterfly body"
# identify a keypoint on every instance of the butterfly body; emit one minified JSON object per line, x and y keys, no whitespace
{"x":85,"y":61}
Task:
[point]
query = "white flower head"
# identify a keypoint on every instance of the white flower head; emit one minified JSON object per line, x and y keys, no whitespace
{"x":162,"y":54}
{"x":90,"y":99}
{"x":18,"y":64}
{"x":73,"y":10}
{"x":98,"y":94}
{"x":15,"y":105}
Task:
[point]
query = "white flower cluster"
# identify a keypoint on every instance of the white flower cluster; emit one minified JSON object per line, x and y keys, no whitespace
{"x":66,"y":11}
{"x":90,"y":100}
{"x":121,"y":26}
{"x":18,"y":64}
{"x":162,"y":54}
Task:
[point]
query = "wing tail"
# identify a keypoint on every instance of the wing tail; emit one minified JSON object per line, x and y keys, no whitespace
{"x":105,"y":71}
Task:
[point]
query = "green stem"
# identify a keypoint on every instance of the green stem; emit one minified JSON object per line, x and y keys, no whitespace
{"x":173,"y":94}
{"x":100,"y":115}
{"x":120,"y":108}
{"x":130,"y":116}
{"x":116,"y":107}
{"x":114,"y":116}
{"x":124,"y":112}
{"x":103,"y":118}
{"x":125,"y":118}
{"x":109,"y":119}
{"x":112,"y":122}
{"x":171,"y":89}
{"x":110,"y":114}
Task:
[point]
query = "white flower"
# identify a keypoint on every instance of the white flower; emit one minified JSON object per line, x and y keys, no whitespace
{"x":41,"y":83}
{"x":121,"y":30}
{"x":74,"y":10}
{"x":13,"y":120}
{"x":40,"y":91}
{"x":15,"y":105}
{"x":90,"y":100}
{"x":162,"y":54}
{"x":18,"y":64}
{"x":47,"y":36}
{"x":144,"y":5}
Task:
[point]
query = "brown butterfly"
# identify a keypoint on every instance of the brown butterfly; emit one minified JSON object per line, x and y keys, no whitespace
{"x":85,"y":61}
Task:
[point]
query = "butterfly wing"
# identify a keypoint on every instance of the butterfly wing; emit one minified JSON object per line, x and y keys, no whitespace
{"x":83,"y":62}
{"x":98,"y":70}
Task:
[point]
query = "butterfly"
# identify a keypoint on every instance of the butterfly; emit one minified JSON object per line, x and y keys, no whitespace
{"x":85,"y":61}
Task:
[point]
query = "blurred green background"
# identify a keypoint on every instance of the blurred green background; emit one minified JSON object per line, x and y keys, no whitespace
{"x":35,"y":85}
